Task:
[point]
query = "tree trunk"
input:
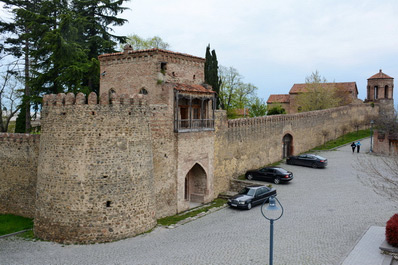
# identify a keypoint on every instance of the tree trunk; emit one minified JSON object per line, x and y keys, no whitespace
{"x":27,"y":88}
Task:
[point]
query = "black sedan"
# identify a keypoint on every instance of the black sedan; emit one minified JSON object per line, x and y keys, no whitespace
{"x":308,"y":160}
{"x":251,"y":196}
{"x":274,"y":174}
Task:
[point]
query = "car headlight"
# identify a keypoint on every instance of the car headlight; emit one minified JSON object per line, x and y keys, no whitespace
{"x":242,"y":202}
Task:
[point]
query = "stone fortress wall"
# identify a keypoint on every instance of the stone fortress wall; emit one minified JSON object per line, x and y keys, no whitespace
{"x":92,"y":156}
{"x":95,"y":171}
{"x":18,"y":173}
{"x":251,"y":143}
{"x":106,"y":169}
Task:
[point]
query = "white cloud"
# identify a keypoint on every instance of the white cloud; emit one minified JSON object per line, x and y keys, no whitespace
{"x":270,"y":41}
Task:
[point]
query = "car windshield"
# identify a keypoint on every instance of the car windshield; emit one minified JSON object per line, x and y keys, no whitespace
{"x":248,"y":191}
{"x":282,"y":170}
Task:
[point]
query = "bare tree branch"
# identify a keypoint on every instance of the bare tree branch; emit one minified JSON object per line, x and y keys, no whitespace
{"x":380,"y":173}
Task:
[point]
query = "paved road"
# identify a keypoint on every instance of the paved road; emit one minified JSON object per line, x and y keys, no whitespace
{"x":326,"y":213}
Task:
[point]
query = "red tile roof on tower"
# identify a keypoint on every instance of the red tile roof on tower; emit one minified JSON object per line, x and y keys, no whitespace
{"x":193,"y":88}
{"x":380,"y":75}
{"x":278,"y":98}
{"x":155,"y":50}
{"x":345,"y":86}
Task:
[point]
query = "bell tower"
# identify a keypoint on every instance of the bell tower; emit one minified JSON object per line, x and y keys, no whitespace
{"x":380,"y":86}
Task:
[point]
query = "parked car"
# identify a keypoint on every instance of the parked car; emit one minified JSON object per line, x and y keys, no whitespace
{"x":309,"y":160}
{"x":251,"y":196}
{"x":274,"y":174}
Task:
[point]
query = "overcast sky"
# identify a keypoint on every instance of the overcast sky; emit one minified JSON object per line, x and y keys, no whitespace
{"x":275,"y":44}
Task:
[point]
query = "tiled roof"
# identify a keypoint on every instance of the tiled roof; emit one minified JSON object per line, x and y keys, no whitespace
{"x":242,"y":112}
{"x":132,"y":52}
{"x":346,"y":86}
{"x":380,"y":75}
{"x":193,"y":88}
{"x":278,"y":98}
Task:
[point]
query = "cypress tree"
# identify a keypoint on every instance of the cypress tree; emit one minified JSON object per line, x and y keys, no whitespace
{"x":211,"y":73}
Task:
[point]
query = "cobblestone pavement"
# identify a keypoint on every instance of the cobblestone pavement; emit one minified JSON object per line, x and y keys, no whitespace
{"x":326,"y":213}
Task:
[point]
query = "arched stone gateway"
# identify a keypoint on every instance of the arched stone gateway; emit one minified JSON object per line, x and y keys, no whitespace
{"x":287,"y":145}
{"x":195,"y":184}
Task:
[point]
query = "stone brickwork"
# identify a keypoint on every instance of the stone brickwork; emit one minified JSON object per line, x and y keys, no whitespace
{"x":130,"y":72}
{"x":164,"y":158}
{"x":18,"y":167}
{"x":196,"y":155}
{"x":250,"y":143}
{"x":380,"y":86}
{"x":106,"y":169}
{"x":95,"y":173}
{"x":385,"y":143}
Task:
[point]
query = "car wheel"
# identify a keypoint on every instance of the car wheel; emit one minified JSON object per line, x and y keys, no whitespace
{"x":249,"y":206}
{"x":249,"y":177}
{"x":277,"y":180}
{"x":314,"y":165}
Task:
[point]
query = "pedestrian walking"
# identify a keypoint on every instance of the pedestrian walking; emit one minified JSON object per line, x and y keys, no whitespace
{"x":358,"y":146}
{"x":353,"y":146}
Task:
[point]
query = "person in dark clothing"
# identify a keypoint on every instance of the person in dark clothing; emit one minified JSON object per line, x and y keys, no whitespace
{"x":358,"y":146}
{"x":353,"y":145}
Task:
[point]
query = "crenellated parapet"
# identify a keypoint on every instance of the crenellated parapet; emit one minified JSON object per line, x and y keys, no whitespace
{"x":288,"y":118}
{"x":19,"y":137}
{"x":63,"y":99}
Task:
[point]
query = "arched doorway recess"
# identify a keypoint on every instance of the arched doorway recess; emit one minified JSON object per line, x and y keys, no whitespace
{"x":195,"y":184}
{"x":287,"y":145}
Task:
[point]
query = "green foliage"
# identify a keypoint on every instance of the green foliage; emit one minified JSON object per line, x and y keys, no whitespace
{"x":344,"y":139}
{"x":170,"y":220}
{"x":138,"y":43}
{"x":276,"y":110}
{"x":211,"y":74}
{"x":28,"y":235}
{"x":234,"y":93}
{"x":11,"y":223}
{"x":258,"y":108}
{"x":317,"y":94}
{"x":11,"y":127}
{"x":61,"y":41}
{"x":20,"y":123}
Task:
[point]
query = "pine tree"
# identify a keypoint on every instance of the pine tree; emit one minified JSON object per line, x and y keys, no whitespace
{"x":60,"y":41}
{"x":95,"y":35}
{"x":22,"y":34}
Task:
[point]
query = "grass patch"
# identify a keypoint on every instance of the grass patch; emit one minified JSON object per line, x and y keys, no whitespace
{"x":11,"y":223}
{"x":28,"y":235}
{"x":170,"y":220}
{"x":345,"y":139}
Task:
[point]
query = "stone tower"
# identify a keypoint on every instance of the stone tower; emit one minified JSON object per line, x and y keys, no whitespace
{"x":95,"y":170}
{"x":182,"y":115}
{"x":380,"y":86}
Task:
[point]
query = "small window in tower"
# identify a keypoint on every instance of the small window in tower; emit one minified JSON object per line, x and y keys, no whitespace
{"x":111,"y":92}
{"x":143,"y":91}
{"x":376,"y":92}
{"x":386,"y":92}
{"x":174,"y":74}
{"x":108,"y":203}
{"x":163,"y":67}
{"x":194,"y":77}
